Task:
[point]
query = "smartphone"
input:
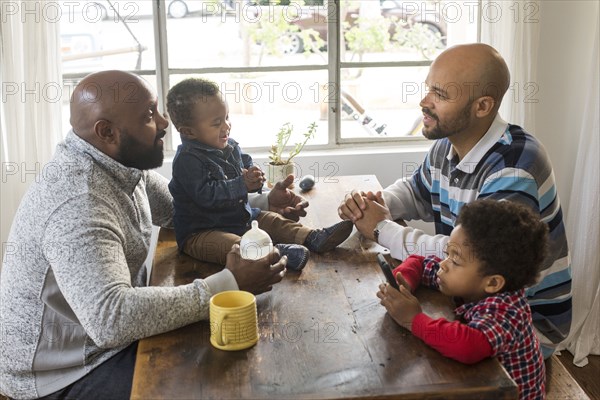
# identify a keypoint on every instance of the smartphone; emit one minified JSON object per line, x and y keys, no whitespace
{"x":387,"y":271}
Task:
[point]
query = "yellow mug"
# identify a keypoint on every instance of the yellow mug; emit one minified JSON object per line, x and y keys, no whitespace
{"x":233,"y":320}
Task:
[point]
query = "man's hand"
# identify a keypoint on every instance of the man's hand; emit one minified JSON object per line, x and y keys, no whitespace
{"x":256,"y":276}
{"x":285,"y":202}
{"x":374,"y":210}
{"x":254,"y":178}
{"x":352,"y":206}
{"x":401,"y":305}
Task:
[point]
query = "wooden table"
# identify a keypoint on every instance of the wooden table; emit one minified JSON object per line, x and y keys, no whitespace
{"x":323,"y":333}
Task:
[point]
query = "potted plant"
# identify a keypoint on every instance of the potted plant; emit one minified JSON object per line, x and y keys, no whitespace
{"x":281,"y":165}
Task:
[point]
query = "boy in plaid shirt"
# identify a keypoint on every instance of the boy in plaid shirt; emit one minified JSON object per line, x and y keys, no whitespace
{"x":494,"y":252}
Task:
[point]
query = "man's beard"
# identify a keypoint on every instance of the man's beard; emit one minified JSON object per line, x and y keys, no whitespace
{"x":452,"y":127}
{"x":135,"y":154}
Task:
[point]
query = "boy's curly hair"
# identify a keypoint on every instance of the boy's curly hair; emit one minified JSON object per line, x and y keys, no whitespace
{"x":507,"y":238}
{"x":183,"y":96}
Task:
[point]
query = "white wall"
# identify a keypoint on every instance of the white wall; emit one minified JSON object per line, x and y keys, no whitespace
{"x":566,"y":38}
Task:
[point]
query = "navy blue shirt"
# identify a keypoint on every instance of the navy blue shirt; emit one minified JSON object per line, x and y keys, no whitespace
{"x":208,"y":189}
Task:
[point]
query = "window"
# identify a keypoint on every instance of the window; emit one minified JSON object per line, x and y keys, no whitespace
{"x":355,"y":67}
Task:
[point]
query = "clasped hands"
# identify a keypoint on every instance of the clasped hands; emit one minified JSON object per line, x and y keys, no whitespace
{"x":365,"y":209}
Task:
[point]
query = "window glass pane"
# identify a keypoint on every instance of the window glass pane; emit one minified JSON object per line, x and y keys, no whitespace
{"x":242,"y":33}
{"x":391,"y":30}
{"x":260,"y":103}
{"x":106,"y":34}
{"x":382,"y":102}
{"x":102,"y":35}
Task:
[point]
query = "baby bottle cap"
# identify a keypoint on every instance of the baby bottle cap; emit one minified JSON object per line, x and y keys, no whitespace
{"x":255,"y":243}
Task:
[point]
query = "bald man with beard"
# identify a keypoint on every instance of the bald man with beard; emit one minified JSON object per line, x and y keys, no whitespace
{"x":475,"y":155}
{"x":73,"y":295}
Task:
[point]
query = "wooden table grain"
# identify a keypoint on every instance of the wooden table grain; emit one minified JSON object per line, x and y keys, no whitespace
{"x":323,"y":333}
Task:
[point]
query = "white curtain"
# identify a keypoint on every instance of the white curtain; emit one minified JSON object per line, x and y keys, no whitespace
{"x":583,"y":228}
{"x":518,"y":43}
{"x":30,"y":110}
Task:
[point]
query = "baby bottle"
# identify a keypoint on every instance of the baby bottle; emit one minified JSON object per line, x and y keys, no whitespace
{"x":255,"y":243}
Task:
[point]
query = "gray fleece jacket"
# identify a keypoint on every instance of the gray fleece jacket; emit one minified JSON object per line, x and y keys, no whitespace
{"x":72,"y":290}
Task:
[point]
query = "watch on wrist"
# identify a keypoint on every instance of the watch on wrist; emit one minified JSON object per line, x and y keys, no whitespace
{"x":378,"y":228}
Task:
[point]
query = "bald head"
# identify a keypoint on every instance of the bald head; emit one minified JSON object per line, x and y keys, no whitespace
{"x":105,"y":95}
{"x":117,"y":112}
{"x":478,"y":68}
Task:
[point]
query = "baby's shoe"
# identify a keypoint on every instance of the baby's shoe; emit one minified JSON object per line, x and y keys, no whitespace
{"x":326,"y":239}
{"x":296,"y":253}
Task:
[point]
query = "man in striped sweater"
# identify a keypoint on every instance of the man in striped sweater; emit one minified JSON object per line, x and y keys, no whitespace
{"x":475,"y":155}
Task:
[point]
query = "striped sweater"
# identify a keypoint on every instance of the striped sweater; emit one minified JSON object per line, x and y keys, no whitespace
{"x":506,"y":164}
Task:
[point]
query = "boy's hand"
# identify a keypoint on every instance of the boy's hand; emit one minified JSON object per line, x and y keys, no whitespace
{"x":254,"y":178}
{"x":285,"y":202}
{"x":401,"y":305}
{"x":402,"y":282}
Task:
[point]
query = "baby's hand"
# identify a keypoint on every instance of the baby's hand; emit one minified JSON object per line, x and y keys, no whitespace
{"x":254,"y":178}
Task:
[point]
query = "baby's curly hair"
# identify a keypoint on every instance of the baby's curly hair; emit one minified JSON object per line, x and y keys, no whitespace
{"x":183,"y":96}
{"x":507,"y":238}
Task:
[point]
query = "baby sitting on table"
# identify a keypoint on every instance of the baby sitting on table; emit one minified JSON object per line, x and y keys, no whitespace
{"x":494,"y":252}
{"x":211,"y":181}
